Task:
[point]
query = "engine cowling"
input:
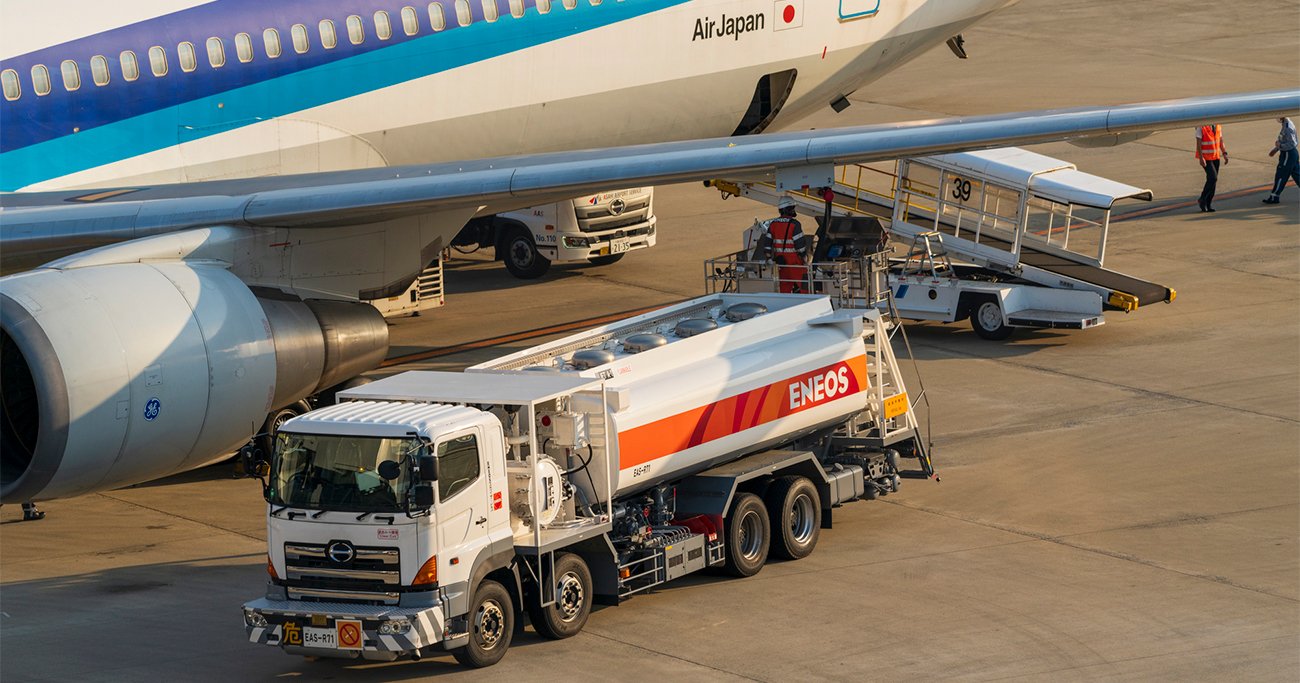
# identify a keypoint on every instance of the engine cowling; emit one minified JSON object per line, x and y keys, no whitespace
{"x":117,"y":374}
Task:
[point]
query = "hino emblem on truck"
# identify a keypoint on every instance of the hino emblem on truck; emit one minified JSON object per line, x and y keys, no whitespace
{"x":341,"y":552}
{"x":617,"y":207}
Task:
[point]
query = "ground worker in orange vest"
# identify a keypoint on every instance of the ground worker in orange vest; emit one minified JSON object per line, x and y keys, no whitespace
{"x":785,"y":244}
{"x":1209,"y":150}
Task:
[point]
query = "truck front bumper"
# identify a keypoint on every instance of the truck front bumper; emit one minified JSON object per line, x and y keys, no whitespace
{"x":384,"y":629}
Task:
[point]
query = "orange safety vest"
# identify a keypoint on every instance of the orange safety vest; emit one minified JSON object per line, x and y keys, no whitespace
{"x":784,"y":250}
{"x":1211,"y":143}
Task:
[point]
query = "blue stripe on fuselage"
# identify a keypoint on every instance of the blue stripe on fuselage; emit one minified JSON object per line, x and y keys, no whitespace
{"x":125,"y":119}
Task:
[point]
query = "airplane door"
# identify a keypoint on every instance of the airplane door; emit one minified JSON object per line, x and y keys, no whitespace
{"x":462,"y":504}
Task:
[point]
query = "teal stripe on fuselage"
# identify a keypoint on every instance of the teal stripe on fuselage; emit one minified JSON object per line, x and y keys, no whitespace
{"x":200,"y":118}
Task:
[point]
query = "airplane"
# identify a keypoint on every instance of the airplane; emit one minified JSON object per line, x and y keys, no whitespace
{"x":199,"y":194}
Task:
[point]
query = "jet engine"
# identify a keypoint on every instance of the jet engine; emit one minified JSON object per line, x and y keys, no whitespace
{"x":112,"y":375}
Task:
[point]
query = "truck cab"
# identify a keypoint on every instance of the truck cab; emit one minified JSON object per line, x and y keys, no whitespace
{"x":389,"y":510}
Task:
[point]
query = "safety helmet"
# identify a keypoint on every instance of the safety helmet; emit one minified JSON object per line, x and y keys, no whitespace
{"x":785,"y":203}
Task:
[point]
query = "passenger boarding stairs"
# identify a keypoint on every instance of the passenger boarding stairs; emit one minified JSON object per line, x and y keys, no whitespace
{"x":1013,"y":213}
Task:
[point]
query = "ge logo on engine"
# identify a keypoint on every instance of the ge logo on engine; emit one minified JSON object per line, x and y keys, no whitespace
{"x":341,"y":552}
{"x":151,"y":409}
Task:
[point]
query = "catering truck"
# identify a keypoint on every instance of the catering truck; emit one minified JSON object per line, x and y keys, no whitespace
{"x":425,"y":511}
{"x":598,"y":229}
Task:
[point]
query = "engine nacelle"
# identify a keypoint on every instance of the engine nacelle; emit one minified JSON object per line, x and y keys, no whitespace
{"x":118,"y":374}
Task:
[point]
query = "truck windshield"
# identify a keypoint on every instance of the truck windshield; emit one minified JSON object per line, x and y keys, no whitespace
{"x":329,"y":472}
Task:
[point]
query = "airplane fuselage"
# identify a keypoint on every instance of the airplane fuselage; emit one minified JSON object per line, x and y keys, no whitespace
{"x":167,"y":92}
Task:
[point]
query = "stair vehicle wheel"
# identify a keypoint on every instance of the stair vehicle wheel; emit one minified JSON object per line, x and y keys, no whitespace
{"x":606,"y":260}
{"x":491,"y":626}
{"x":573,"y":595}
{"x":521,"y":255}
{"x":796,"y":515}
{"x":266,"y":442}
{"x":748,"y":535}
{"x":986,"y":319}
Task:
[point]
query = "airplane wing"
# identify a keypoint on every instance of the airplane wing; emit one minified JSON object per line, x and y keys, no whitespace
{"x":492,"y":185}
{"x":178,"y":317}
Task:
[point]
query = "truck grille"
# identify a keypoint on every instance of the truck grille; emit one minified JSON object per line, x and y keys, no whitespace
{"x":373,"y":575}
{"x":599,"y":218}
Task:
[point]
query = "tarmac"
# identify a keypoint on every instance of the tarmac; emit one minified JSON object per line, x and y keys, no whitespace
{"x":1116,"y":503}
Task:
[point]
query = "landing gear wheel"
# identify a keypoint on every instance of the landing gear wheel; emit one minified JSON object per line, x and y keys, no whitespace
{"x":521,"y":255}
{"x":796,"y":514}
{"x":572,"y":600}
{"x":748,"y":535}
{"x":986,"y":320}
{"x":491,"y":626}
{"x":266,"y":442}
{"x":606,"y":260}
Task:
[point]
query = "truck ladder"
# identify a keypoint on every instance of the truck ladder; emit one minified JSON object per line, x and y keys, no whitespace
{"x":928,"y":256}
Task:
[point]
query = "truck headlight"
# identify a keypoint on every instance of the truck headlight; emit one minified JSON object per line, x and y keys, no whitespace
{"x":394,"y":627}
{"x":575,"y":242}
{"x":253,"y":619}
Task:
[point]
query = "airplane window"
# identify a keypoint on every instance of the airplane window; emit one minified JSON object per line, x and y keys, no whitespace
{"x":13,"y":89}
{"x":41,"y":79}
{"x":298,"y":33}
{"x":594,"y":2}
{"x":543,"y":6}
{"x":71,"y":75}
{"x":99,"y":69}
{"x":130,"y":65}
{"x":188,"y":61}
{"x":328,"y":36}
{"x":516,"y":8}
{"x":410,"y":21}
{"x":356,"y":30}
{"x":383,"y":26}
{"x":216,"y":52}
{"x":158,"y":61}
{"x":490,"y":10}
{"x":437,"y":19}
{"x":271,"y":38}
{"x":463,"y":15}
{"x":244,"y":47}
{"x":570,"y":4}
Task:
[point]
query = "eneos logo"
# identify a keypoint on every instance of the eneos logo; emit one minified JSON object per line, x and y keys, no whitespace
{"x":821,"y":387}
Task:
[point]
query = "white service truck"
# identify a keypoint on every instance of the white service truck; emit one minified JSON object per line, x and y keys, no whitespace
{"x":598,"y":229}
{"x":425,"y":511}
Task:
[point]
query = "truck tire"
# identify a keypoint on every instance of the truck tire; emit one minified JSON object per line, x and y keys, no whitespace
{"x":796,"y":513}
{"x":573,"y":598}
{"x":491,"y":626}
{"x":520,"y":253}
{"x":606,"y":260}
{"x":748,"y":535}
{"x":986,"y":320}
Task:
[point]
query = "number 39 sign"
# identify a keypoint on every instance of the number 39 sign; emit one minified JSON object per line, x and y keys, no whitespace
{"x":964,"y":191}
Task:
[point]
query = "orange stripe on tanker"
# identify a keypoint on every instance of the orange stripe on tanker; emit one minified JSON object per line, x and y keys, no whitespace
{"x":732,"y":415}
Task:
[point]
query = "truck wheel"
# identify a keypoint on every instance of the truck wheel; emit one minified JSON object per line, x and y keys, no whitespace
{"x":748,"y":535}
{"x":606,"y":260}
{"x":572,"y":600}
{"x":986,"y":319}
{"x":796,"y":513}
{"x":521,"y":255}
{"x":491,"y":626}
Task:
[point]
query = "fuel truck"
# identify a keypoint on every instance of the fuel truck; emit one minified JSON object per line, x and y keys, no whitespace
{"x":428,"y":511}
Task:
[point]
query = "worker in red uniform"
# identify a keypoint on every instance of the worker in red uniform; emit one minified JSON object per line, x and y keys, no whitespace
{"x":1209,"y":150}
{"x":785,"y":244}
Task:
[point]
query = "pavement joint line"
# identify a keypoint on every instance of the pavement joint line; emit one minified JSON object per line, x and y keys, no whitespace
{"x":668,"y":655}
{"x":1118,"y":385}
{"x":188,"y":519}
{"x":1189,"y":519}
{"x":1064,"y":542}
{"x":1036,"y":675}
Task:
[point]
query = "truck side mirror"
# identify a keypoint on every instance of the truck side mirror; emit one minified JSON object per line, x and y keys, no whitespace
{"x":428,"y":465}
{"x":390,"y":470}
{"x":424,"y":496}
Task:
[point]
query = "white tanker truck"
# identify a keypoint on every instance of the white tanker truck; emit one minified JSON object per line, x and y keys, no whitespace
{"x":425,"y":511}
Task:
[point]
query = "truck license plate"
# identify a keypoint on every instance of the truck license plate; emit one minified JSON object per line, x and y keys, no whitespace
{"x":320,"y":637}
{"x":618,"y":246}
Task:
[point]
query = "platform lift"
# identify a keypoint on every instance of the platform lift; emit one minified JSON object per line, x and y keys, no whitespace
{"x":1007,"y":238}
